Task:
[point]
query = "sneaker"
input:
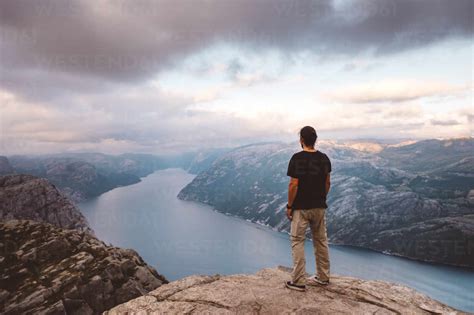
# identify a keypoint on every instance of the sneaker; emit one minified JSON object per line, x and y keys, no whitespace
{"x":297,"y":287}
{"x":314,"y":280}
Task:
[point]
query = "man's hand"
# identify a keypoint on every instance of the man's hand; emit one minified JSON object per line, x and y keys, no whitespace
{"x":292,"y":189}
{"x":289,"y":213}
{"x":328,"y":183}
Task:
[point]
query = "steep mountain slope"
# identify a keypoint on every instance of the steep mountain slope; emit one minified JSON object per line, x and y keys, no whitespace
{"x":31,"y":198}
{"x":81,"y":176}
{"x":48,"y":270}
{"x":202,"y":160}
{"x":5,"y":167}
{"x":51,"y":263}
{"x":439,"y":154}
{"x":135,"y":164}
{"x":77,"y":178}
{"x":265,"y":293}
{"x":372,"y":199}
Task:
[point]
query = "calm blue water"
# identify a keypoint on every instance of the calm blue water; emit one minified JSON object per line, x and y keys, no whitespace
{"x":181,"y":238}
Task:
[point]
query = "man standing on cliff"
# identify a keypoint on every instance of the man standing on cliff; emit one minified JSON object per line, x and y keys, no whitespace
{"x":309,"y":185}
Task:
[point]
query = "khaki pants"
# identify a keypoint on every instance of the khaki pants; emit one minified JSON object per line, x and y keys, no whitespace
{"x":315,"y":218}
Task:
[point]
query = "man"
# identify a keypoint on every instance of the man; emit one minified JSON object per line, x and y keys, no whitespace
{"x":309,"y":185}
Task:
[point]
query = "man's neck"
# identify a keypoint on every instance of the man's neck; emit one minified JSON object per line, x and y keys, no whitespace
{"x":307,"y":149}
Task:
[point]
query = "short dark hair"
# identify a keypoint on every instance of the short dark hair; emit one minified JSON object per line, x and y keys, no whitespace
{"x":309,"y":136}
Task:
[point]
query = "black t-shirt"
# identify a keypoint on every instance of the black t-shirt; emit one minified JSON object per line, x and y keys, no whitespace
{"x":311,"y":169}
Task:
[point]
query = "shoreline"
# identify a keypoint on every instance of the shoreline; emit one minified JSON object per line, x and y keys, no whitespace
{"x":428,"y":262}
{"x":387,"y":266}
{"x":266,"y":226}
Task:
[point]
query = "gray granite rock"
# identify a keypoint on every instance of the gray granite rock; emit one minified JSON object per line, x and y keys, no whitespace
{"x":420,"y":193}
{"x":32,"y":198}
{"x":265,"y":293}
{"x":66,"y":271}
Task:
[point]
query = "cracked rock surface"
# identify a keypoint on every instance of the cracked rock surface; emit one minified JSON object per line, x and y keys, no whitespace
{"x":48,"y":270}
{"x":264,"y":293}
{"x":26,"y":197}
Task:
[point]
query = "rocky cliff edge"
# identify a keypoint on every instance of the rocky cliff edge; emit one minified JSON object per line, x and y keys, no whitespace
{"x":26,"y":197}
{"x":264,"y":293}
{"x":48,"y":270}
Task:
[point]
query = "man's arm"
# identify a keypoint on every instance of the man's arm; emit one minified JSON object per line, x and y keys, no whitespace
{"x":328,"y":183}
{"x":292,"y":189}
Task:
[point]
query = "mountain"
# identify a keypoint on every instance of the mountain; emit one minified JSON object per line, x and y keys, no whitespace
{"x":133,"y":164}
{"x":76,"y":178}
{"x":82,"y":176}
{"x":444,"y":168}
{"x":52,"y":263}
{"x":375,"y":200}
{"x":265,"y":293}
{"x":5,"y":167}
{"x":202,"y":160}
{"x":31,"y":198}
{"x":48,"y":270}
{"x":428,"y":155}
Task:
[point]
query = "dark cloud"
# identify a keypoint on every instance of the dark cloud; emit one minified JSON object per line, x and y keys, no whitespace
{"x":122,"y":40}
{"x":449,"y":122}
{"x":75,"y":72}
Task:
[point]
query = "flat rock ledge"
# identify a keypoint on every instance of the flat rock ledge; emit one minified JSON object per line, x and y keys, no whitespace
{"x":264,"y":293}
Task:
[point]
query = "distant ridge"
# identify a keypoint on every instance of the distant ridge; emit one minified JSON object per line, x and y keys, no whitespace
{"x":420,"y":193}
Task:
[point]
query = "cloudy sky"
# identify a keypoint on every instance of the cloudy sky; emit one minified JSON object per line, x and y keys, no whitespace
{"x":169,"y":75}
